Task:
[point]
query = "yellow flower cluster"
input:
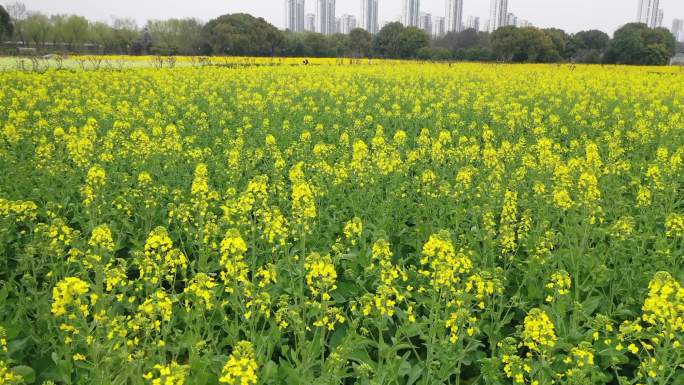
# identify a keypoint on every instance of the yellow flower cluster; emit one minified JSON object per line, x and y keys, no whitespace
{"x":173,"y":374}
{"x":235,"y":269}
{"x":445,"y":267}
{"x":352,"y":230}
{"x":664,"y":306}
{"x":321,"y":276}
{"x":21,"y":211}
{"x":241,"y":368}
{"x":201,"y":290}
{"x":674,"y":225}
{"x":538,"y":331}
{"x":160,"y":259}
{"x":69,"y":295}
{"x":303,"y":205}
{"x":559,"y":284}
{"x":7,"y":376}
{"x":101,"y":238}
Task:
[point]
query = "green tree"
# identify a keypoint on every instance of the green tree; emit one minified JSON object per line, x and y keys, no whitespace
{"x":37,"y":28}
{"x":467,"y":38}
{"x":359,"y":42}
{"x":636,"y":43}
{"x":388,"y":40}
{"x":125,"y":33}
{"x":17,"y":13}
{"x":524,"y":45}
{"x":588,"y":46}
{"x":338,"y":44}
{"x":505,"y":42}
{"x":592,"y":39}
{"x":6,"y":27}
{"x":75,"y":31}
{"x":316,"y":44}
{"x":536,"y":46}
{"x":561,"y":42}
{"x":175,"y":36}
{"x":241,"y":34}
{"x":412,"y":40}
{"x":103,"y":35}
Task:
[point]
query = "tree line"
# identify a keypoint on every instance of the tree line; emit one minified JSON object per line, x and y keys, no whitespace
{"x":243,"y":34}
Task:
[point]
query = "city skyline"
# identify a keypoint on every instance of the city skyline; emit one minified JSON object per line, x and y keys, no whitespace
{"x":294,"y":15}
{"x":572,"y":16}
{"x":325,"y":16}
{"x":369,"y":16}
{"x":454,"y":15}
{"x":648,"y":12}
{"x":498,"y":15}
{"x":410,"y":13}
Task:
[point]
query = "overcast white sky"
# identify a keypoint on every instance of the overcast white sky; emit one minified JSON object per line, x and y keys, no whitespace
{"x":571,"y":15}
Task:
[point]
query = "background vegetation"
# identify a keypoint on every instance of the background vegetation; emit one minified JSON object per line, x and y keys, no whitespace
{"x":243,"y":34}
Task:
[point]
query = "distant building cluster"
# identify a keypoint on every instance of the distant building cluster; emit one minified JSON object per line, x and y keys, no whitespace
{"x":325,"y":21}
{"x":649,"y":13}
{"x":678,"y":29}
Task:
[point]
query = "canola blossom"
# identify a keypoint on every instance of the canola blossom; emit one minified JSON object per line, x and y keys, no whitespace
{"x":390,"y":222}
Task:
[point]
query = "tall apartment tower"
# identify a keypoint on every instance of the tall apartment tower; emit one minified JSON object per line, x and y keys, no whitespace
{"x":473,"y":22}
{"x":454,"y":15}
{"x":512,"y":19}
{"x":325,"y":17}
{"x":439,"y":26}
{"x":678,"y":29}
{"x":498,"y":14}
{"x":425,"y":22}
{"x":647,"y":12}
{"x":347,"y":23}
{"x":410,"y":15}
{"x":369,"y":15}
{"x":310,"y":22}
{"x":294,"y":15}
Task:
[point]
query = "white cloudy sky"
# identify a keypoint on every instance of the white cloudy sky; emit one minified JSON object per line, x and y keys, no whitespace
{"x":571,"y":15}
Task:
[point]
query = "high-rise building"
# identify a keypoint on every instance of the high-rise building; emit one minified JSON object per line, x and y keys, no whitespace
{"x":369,"y":15}
{"x":522,"y":23}
{"x":425,"y":22}
{"x":647,"y":12}
{"x":310,"y":22}
{"x":439,"y":26}
{"x":473,"y":22}
{"x":454,"y":15}
{"x":410,"y":13}
{"x":347,"y":23}
{"x":498,"y":14}
{"x":325,"y":16}
{"x":294,"y":15}
{"x":511,"y":19}
{"x":659,"y":18}
{"x":678,"y":29}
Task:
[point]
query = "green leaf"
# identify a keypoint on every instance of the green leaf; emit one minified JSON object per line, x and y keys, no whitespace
{"x":26,"y":372}
{"x":590,"y":304}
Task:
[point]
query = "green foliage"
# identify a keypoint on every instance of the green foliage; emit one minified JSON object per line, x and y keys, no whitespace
{"x":359,"y":42}
{"x":6,"y":27}
{"x":636,"y":43}
{"x":241,"y":34}
{"x":176,"y":36}
{"x":396,"y":41}
{"x":528,"y":45}
{"x":387,"y":42}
